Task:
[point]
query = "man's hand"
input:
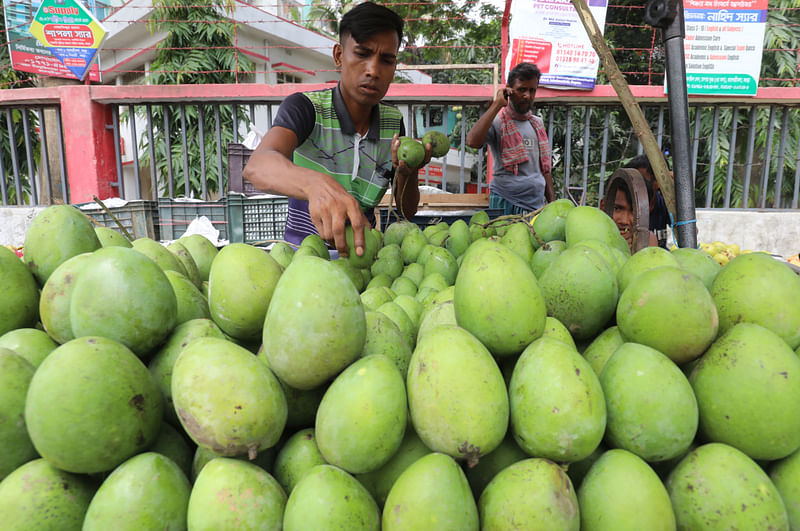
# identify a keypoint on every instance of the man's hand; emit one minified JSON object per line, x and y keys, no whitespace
{"x":401,"y":165}
{"x":330,"y":208}
{"x":501,"y":97}
{"x":549,"y":193}
{"x":406,"y":181}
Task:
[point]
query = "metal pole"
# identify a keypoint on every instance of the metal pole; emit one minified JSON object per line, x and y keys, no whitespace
{"x":668,"y":15}
{"x":603,"y":158}
{"x":711,"y":162}
{"x":731,"y":156}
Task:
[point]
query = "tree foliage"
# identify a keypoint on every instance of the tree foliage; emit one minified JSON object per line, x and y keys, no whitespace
{"x":631,"y":42}
{"x":200,"y":51}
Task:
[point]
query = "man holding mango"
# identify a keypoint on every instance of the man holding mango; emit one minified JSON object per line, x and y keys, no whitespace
{"x":334,"y":151}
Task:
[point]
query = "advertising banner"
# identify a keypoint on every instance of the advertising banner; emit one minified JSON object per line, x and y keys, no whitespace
{"x":723,"y":45}
{"x":550,"y":34}
{"x":57,"y":38}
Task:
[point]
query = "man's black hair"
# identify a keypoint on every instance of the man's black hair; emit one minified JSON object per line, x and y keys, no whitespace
{"x":642,"y":162}
{"x":367,"y":19}
{"x":639,"y":162}
{"x":524,"y":72}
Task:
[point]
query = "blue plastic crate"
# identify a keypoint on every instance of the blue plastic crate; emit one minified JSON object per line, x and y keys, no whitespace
{"x":256,"y":219}
{"x":174,"y":216}
{"x":140,"y":218}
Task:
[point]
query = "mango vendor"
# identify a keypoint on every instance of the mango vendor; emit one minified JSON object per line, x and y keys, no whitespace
{"x":333,"y":152}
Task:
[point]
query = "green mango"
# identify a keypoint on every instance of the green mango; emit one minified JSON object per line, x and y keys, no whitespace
{"x":38,"y":495}
{"x":227,"y":400}
{"x":396,"y":232}
{"x":652,"y":410}
{"x":202,"y":251}
{"x":55,"y":235}
{"x":159,"y":254}
{"x":109,"y":237}
{"x":494,"y":281}
{"x":315,"y":242}
{"x":557,"y":406}
{"x":297,"y":456}
{"x":730,"y":480}
{"x":241,"y":284}
{"x":191,"y":303}
{"x":518,"y":238}
{"x":699,"y":263}
{"x":580,"y":290}
{"x":550,"y":223}
{"x":384,"y":337}
{"x":617,"y":488}
{"x":56,"y":297}
{"x":362,"y":417}
{"x":92,"y":404}
{"x":371,"y":246}
{"x":530,"y":494}
{"x":660,"y":301}
{"x":146,"y":491}
{"x":15,"y":378}
{"x":458,"y":238}
{"x":145,"y":307}
{"x":20,"y":293}
{"x":380,"y":481}
{"x":748,"y":390}
{"x":232,"y":494}
{"x":456,"y":394}
{"x":310,"y":296}
{"x":174,"y":445}
{"x":432,"y":493}
{"x":282,"y":252}
{"x":186,"y":260}
{"x":30,"y":343}
{"x":440,"y":144}
{"x":329,"y":498}
{"x":756,"y":288}
{"x":163,"y":361}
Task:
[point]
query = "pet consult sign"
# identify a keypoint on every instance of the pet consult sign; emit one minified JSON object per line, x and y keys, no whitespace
{"x":550,"y":34}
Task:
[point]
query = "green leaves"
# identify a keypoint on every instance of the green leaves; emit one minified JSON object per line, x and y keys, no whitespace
{"x":199,"y":47}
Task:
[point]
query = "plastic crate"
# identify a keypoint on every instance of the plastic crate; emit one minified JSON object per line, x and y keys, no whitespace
{"x":140,"y":218}
{"x":256,"y":219}
{"x":423,"y":220}
{"x":238,"y":155}
{"x":175,"y":215}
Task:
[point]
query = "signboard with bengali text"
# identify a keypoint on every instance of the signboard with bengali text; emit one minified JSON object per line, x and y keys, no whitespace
{"x":65,"y":45}
{"x":723,"y":45}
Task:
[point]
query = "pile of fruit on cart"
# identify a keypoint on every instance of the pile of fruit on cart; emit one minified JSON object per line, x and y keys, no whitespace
{"x":481,"y":374}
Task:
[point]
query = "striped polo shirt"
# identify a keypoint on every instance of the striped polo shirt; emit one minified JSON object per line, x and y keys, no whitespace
{"x":328,"y":143}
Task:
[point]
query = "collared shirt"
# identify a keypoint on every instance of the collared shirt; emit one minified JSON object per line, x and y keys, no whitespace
{"x":329,"y":143}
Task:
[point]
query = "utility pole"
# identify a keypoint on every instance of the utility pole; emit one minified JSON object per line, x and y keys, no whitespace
{"x":667,"y":15}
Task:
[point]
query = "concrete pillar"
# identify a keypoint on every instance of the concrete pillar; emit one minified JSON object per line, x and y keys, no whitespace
{"x":50,"y":126}
{"x":88,"y":145}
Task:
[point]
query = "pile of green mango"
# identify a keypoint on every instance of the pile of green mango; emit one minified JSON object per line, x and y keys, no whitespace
{"x":483,"y":374}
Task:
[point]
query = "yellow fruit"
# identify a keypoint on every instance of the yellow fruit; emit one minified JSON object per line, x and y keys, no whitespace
{"x":716,"y":247}
{"x":722,"y":258}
